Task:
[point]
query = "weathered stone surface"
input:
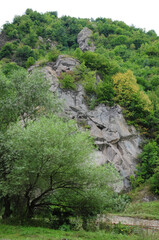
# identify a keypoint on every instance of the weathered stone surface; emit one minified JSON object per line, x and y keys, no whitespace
{"x":117,"y":143}
{"x":84,"y":41}
{"x":132,"y":221}
{"x":52,"y":76}
{"x":65,"y":63}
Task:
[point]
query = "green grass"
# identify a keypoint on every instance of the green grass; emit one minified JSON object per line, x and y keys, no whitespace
{"x":9,"y":232}
{"x":145,"y":210}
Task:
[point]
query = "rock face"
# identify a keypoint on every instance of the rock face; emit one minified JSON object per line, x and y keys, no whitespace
{"x":64,"y":64}
{"x":117,"y":142}
{"x":84,"y":41}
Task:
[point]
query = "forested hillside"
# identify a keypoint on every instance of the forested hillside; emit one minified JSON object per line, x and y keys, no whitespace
{"x":123,"y":69}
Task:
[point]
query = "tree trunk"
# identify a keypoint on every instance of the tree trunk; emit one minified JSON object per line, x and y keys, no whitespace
{"x":7,"y":210}
{"x":84,"y":223}
{"x":30,"y":212}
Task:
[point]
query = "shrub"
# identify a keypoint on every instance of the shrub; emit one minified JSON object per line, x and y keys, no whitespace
{"x":53,"y":54}
{"x":8,"y":68}
{"x":7,"y":50}
{"x":148,"y":161}
{"x":105,"y":92}
{"x":30,"y":62}
{"x":89,"y":82}
{"x":122,"y":229}
{"x":67,"y":80}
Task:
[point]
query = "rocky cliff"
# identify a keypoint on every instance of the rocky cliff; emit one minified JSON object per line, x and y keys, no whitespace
{"x":117,"y":143}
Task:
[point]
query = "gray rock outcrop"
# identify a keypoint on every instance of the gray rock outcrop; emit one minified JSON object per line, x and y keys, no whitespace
{"x":65,"y":63}
{"x":84,"y":40}
{"x":117,"y":143}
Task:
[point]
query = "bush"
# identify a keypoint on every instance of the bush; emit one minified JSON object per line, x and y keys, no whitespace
{"x":154,"y":180}
{"x":122,"y":229}
{"x":7,"y":50}
{"x":118,"y":203}
{"x":89,"y":82}
{"x":67,"y":80}
{"x":30,"y":62}
{"x":96,"y":61}
{"x":8,"y":68}
{"x":105,"y":92}
{"x":53,"y":54}
{"x":23,"y":53}
{"x":148,"y":161}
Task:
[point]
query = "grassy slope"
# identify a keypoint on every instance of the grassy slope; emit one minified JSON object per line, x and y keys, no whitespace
{"x":36,"y":233}
{"x":145,"y":210}
{"x":140,"y":209}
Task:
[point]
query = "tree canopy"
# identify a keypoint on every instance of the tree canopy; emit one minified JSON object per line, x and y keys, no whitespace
{"x":48,"y":161}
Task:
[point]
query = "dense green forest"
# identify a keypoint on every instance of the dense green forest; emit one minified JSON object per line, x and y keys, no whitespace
{"x":126,"y":59}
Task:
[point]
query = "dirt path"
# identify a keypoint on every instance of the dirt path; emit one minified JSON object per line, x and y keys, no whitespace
{"x":150,"y":224}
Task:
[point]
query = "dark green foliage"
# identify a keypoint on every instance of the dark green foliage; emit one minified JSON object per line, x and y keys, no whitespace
{"x":148,"y":162}
{"x":7,"y":50}
{"x":89,"y":82}
{"x":96,"y":61}
{"x":23,"y":53}
{"x":154,"y":180}
{"x":53,"y":54}
{"x":30,"y":39}
{"x":30,"y":62}
{"x":8,"y":68}
{"x":10,"y":30}
{"x":67,"y":80}
{"x":105,"y":92}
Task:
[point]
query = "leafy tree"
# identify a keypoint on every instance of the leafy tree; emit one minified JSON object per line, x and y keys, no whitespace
{"x":105,"y":92}
{"x":89,"y":82}
{"x":30,"y":39}
{"x":48,"y":163}
{"x":154,"y":180}
{"x":24,"y":95}
{"x":23,"y":53}
{"x":129,"y":95}
{"x":9,"y":68}
{"x":122,"y":51}
{"x":119,"y":40}
{"x":24,"y":25}
{"x":154,"y":96}
{"x":96,"y":61}
{"x":10,"y":30}
{"x":148,"y":160}
{"x":7,"y":50}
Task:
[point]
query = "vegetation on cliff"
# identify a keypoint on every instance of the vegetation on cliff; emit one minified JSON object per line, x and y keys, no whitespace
{"x":124,"y":69}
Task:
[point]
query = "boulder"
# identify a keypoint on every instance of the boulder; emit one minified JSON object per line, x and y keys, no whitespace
{"x":64,"y":64}
{"x":84,"y":40}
